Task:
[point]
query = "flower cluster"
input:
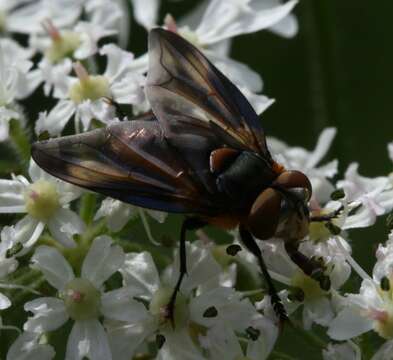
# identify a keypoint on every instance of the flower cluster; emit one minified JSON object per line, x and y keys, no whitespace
{"x":70,"y":260}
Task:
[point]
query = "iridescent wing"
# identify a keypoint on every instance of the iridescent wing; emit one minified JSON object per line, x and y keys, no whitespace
{"x":188,"y":94}
{"x":130,"y":161}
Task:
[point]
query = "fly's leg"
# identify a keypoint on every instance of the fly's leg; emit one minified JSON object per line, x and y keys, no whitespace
{"x":188,"y":224}
{"x":249,"y":242}
{"x":116,"y":105}
{"x":311,"y":267}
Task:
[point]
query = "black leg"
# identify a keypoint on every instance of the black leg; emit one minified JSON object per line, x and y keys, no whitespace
{"x":249,"y":242}
{"x":310,"y":267}
{"x":116,"y":105}
{"x":188,"y":224}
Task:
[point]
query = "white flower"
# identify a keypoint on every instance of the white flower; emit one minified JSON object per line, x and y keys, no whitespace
{"x":28,"y":347}
{"x":307,"y":162}
{"x":192,"y":306}
{"x":222,"y":342}
{"x":374,"y":194}
{"x":226,"y":19}
{"x":77,"y":43}
{"x":82,"y":299}
{"x":118,"y":213}
{"x":345,"y":351}
{"x":84,"y":97}
{"x":317,"y":304}
{"x":16,"y":82}
{"x":45,"y":200}
{"x":26,"y":17}
{"x":8,"y":264}
{"x":372,"y":307}
{"x":146,"y":12}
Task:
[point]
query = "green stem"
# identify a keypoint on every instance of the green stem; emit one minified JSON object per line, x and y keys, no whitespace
{"x":147,"y":227}
{"x":20,"y":297}
{"x":87,"y":207}
{"x":21,"y":140}
{"x":251,"y":293}
{"x":310,"y":336}
{"x":277,"y":355}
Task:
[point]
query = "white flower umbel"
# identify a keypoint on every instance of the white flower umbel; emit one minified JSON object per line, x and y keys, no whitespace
{"x":194,"y":310}
{"x":29,"y":347}
{"x":45,"y":200}
{"x":79,"y":42}
{"x":371,"y":309}
{"x":82,"y":299}
{"x":86,"y":96}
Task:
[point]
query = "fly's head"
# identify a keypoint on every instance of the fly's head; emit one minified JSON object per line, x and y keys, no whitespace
{"x":282,"y":209}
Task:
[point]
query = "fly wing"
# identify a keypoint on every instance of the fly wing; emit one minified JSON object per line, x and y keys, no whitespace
{"x":188,"y":94}
{"x":130,"y":161}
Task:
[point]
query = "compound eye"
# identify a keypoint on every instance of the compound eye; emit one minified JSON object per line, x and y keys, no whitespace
{"x":265,"y":214}
{"x":294,"y":179}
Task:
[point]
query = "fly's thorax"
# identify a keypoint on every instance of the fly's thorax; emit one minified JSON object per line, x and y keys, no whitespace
{"x":243,"y":176}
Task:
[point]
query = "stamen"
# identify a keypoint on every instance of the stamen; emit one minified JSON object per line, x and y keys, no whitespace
{"x":80,"y":71}
{"x":51,"y":29}
{"x":352,"y":261}
{"x":147,"y":227}
{"x":170,"y":23}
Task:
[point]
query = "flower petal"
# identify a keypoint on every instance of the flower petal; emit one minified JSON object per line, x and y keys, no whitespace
{"x":49,"y":314}
{"x":348,"y":324}
{"x":179,"y":346}
{"x":116,"y":213}
{"x":124,"y":339}
{"x":51,"y":262}
{"x":88,"y":339}
{"x":230,"y":306}
{"x":140,"y":273}
{"x":57,"y":118}
{"x":4,"y":302}
{"x":26,"y":231}
{"x":324,"y":141}
{"x":120,"y":305}
{"x":224,"y":19}
{"x":11,"y":196}
{"x":27,"y":347}
{"x":103,"y":259}
{"x":64,"y":224}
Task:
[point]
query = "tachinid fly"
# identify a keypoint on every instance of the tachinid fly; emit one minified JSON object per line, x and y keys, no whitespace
{"x":201,"y":152}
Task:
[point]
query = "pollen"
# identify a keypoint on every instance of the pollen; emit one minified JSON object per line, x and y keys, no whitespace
{"x":311,"y":288}
{"x":41,"y":200}
{"x":82,"y":299}
{"x":88,"y":87}
{"x":63,"y":45}
{"x":159,"y":307}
